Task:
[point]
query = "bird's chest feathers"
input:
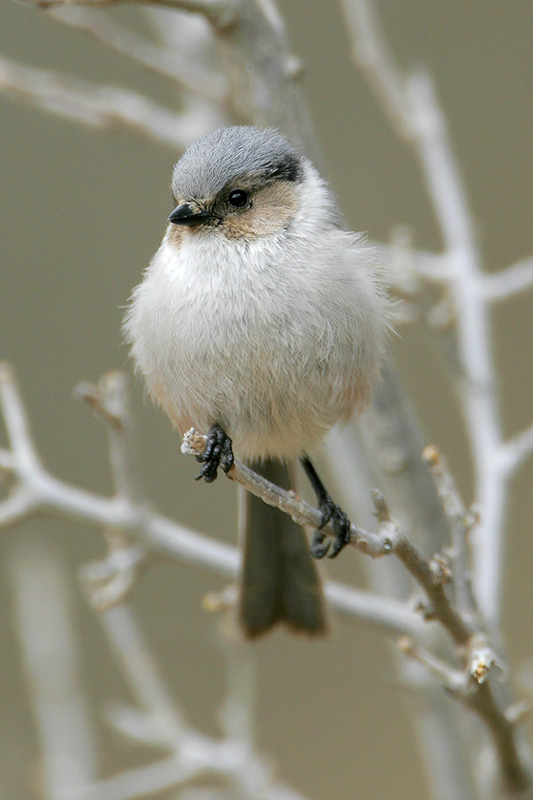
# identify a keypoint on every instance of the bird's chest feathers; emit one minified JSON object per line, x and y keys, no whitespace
{"x":215,"y":297}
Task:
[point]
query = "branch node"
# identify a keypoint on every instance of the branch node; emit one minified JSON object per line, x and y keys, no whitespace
{"x":381,"y":509}
{"x":517,"y":712}
{"x":441,"y":569}
{"x":94,"y":398}
{"x":217,"y":602}
{"x":193,"y":443}
{"x":481,"y":659}
{"x":109,"y":581}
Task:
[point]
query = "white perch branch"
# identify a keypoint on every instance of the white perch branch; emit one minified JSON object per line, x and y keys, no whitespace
{"x":103,"y":106}
{"x":39,"y":491}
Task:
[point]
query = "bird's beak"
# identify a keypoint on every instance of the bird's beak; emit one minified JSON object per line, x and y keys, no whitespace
{"x":185,"y":214}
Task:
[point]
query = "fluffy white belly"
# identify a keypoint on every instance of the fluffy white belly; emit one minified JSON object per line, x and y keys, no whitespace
{"x":274,"y":357}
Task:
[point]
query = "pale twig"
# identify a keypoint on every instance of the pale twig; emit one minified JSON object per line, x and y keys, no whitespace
{"x":401,"y":257}
{"x":167,"y":773}
{"x":104,"y":107}
{"x":429,"y":138}
{"x":231,"y":759}
{"x":515,"y":451}
{"x":479,"y":656}
{"x":112,"y":578}
{"x":452,"y":679}
{"x":17,"y":424}
{"x":461,"y":522}
{"x":388,"y":539}
{"x":190,"y":75}
{"x":370,"y":52}
{"x":51,"y":661}
{"x":36,"y":490}
{"x":301,"y":512}
{"x":141,"y":675}
{"x":139,"y":782}
{"x":109,"y":400}
{"x":220,"y":13}
{"x":133,"y":723}
{"x":509,"y":282}
{"x":236,"y":713}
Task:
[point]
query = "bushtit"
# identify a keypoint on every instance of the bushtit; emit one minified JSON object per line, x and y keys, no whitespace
{"x":261,"y":323}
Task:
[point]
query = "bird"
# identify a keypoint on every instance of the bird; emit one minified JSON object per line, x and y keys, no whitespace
{"x":261,"y":323}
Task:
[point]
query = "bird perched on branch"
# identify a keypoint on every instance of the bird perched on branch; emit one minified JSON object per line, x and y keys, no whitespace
{"x":261,"y":323}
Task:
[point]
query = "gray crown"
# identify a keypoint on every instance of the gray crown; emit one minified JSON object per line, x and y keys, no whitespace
{"x":228,"y":154}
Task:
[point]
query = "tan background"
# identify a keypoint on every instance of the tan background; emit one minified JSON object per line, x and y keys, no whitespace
{"x":82,"y":213}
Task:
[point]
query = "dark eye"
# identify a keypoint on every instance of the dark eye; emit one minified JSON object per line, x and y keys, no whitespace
{"x":238,"y":198}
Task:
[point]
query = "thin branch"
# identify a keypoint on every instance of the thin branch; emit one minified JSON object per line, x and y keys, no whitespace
{"x":509,"y":282}
{"x":16,"y":421}
{"x":140,"y":671}
{"x":37,"y":491}
{"x":232,"y":759}
{"x":515,"y":451}
{"x":401,"y":257}
{"x":51,"y":662}
{"x":139,"y":782}
{"x":220,"y":13}
{"x":371,"y":54}
{"x":461,"y":523}
{"x":480,"y":657}
{"x":110,"y":402}
{"x":388,"y":539}
{"x":428,"y":136}
{"x":451,"y":678}
{"x":103,"y":106}
{"x":189,"y":75}
{"x":20,"y":503}
{"x":301,"y":512}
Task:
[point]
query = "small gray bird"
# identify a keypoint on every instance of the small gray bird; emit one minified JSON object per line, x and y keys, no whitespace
{"x":262,"y":324}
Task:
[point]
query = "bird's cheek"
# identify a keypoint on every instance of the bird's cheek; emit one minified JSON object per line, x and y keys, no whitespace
{"x":174,"y":235}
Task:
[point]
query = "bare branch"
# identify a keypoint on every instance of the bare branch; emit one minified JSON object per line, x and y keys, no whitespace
{"x":509,"y":282}
{"x":190,"y":75}
{"x":232,"y":758}
{"x":372,"y":55}
{"x":220,"y":13}
{"x":461,"y":523}
{"x":515,"y":451}
{"x":388,"y":539}
{"x":110,"y":402}
{"x":141,"y":674}
{"x":472,"y":686}
{"x":36,"y":490}
{"x":16,"y":422}
{"x":103,"y":106}
{"x":301,"y":512}
{"x":429,"y":138}
{"x":452,"y":679}
{"x":51,"y":663}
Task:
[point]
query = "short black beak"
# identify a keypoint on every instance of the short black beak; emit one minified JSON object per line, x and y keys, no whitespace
{"x":184,"y":214}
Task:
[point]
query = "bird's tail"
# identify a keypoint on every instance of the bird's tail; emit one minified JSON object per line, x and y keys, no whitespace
{"x":279,"y":579}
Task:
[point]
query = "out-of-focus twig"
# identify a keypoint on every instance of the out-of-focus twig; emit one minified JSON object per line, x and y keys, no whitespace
{"x":51,"y":662}
{"x":189,"y":75}
{"x":104,"y":106}
{"x":34,"y":490}
{"x":410,"y":100}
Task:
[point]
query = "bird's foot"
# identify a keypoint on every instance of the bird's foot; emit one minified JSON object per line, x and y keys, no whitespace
{"x":329,"y":511}
{"x":218,"y":452}
{"x":341,"y":525}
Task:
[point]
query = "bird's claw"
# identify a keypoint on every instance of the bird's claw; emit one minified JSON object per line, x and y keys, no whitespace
{"x":318,"y":548}
{"x":341,"y":526}
{"x":218,"y":452}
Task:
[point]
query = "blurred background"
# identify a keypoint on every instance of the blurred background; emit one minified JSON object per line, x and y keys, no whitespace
{"x":82,"y":213}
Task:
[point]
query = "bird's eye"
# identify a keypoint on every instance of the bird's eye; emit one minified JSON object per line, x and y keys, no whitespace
{"x":238,"y":198}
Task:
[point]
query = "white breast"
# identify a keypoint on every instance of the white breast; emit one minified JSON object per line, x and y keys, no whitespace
{"x":275,"y":339}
